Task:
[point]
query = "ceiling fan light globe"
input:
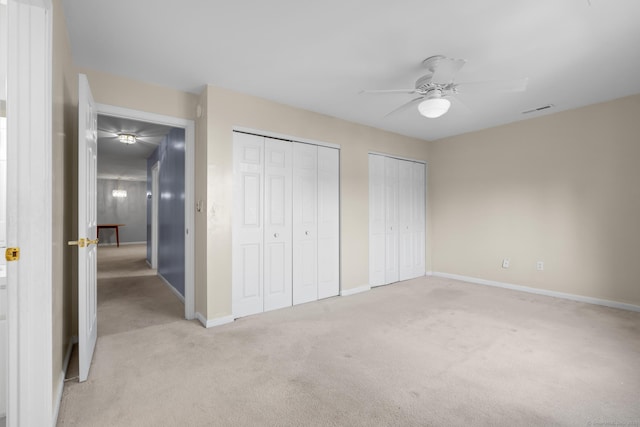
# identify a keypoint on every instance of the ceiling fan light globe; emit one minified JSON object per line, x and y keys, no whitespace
{"x":435,"y":107}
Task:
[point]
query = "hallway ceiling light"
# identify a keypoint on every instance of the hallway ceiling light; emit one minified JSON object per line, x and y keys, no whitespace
{"x":119,"y":193}
{"x":127,"y":138}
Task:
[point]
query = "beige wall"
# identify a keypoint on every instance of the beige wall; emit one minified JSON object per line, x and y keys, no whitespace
{"x":64,"y":157}
{"x":200,"y":184}
{"x":136,"y":95}
{"x":227,"y":109}
{"x":563,"y":189}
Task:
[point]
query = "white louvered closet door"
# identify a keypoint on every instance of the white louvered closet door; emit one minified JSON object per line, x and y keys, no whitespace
{"x":377,"y":228}
{"x":305,"y":223}
{"x":247,"y":230}
{"x":277,"y":223}
{"x":328,"y":222}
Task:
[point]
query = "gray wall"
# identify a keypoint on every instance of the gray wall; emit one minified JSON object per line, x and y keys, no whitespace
{"x":130,"y":210}
{"x":171,"y":155}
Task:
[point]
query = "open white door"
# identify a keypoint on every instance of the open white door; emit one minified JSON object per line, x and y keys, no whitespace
{"x":87,"y":238}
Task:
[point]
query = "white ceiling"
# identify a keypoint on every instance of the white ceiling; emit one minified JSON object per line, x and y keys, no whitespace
{"x":122,"y":161}
{"x":319,"y":55}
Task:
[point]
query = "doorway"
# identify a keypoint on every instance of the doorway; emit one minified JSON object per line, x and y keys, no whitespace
{"x":185,"y":194}
{"x":140,"y":183}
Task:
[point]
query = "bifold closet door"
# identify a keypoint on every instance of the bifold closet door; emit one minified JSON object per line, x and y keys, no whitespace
{"x":391,"y":220}
{"x":396,"y":219}
{"x":377,"y":228}
{"x":419,"y":219}
{"x":277,"y":223}
{"x":248,"y":230}
{"x":305,"y":223}
{"x":328,"y":222}
{"x":406,"y":214}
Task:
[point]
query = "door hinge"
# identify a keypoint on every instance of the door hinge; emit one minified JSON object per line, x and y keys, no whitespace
{"x":12,"y":254}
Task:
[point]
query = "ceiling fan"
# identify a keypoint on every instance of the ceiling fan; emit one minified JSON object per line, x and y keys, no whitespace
{"x":436,"y":87}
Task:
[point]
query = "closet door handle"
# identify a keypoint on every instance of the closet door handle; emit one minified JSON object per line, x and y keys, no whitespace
{"x":306,"y":233}
{"x":276,"y":235}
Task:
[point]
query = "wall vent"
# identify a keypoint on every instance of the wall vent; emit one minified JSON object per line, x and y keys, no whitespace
{"x":535,"y":110}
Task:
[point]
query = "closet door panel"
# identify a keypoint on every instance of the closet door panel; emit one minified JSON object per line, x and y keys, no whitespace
{"x":377,"y":228}
{"x":247,"y":230}
{"x":419,"y":219}
{"x":406,"y":209}
{"x":328,"y":222}
{"x":277,"y":224}
{"x":305,"y":223}
{"x":391,"y":220}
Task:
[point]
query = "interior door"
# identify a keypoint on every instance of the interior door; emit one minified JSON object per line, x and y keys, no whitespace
{"x":419,"y":219}
{"x":87,"y":241}
{"x":277,"y":224}
{"x":248,"y":229}
{"x":391,"y":220}
{"x":405,"y":219}
{"x":328,"y":222}
{"x":305,"y":223}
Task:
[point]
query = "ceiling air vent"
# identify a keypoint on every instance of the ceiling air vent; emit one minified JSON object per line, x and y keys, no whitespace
{"x":535,"y":110}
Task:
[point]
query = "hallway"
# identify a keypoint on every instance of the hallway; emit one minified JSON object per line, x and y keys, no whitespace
{"x":131,"y":297}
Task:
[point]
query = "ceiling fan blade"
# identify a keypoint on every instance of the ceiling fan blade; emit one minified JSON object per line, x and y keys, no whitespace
{"x":445,"y":69}
{"x":518,"y":85}
{"x":389,"y":91}
{"x":405,"y":106}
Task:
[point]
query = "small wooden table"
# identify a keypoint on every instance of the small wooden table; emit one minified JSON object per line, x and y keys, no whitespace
{"x":116,"y":226}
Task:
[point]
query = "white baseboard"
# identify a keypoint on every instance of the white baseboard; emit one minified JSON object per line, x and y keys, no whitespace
{"x":210,"y":323}
{"x":572,"y":297}
{"x":122,"y":243}
{"x":174,"y":290}
{"x":61,"y":377}
{"x":429,"y":273}
{"x":353,"y":291}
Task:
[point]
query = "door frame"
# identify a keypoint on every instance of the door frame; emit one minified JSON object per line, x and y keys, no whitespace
{"x":29,"y":212}
{"x":155,"y":185}
{"x":189,"y":190}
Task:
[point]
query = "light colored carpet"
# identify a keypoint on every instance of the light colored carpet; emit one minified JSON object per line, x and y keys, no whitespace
{"x":418,"y":353}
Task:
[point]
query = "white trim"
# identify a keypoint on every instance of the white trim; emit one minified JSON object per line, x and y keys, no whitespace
{"x":394,"y":156}
{"x":29,"y":212}
{"x":61,"y":377}
{"x":545,"y":292}
{"x":210,"y":323}
{"x":122,"y":243}
{"x":429,"y":273}
{"x":353,"y":291}
{"x":189,"y":184}
{"x":170,"y":286}
{"x":277,"y":135}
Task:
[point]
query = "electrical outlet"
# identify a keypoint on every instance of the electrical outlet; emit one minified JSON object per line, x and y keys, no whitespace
{"x":506,"y":262}
{"x":540,"y":265}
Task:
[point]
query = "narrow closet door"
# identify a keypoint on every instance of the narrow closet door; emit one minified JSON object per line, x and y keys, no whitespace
{"x":328,"y":222}
{"x":277,"y":223}
{"x":377,"y":229}
{"x":305,"y":223}
{"x":248,"y":233}
{"x":419,"y":219}
{"x":391,"y":220}
{"x":406,"y":196}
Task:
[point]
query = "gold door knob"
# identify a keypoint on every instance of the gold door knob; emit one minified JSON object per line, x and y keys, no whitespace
{"x":79,"y":242}
{"x":92,"y":242}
